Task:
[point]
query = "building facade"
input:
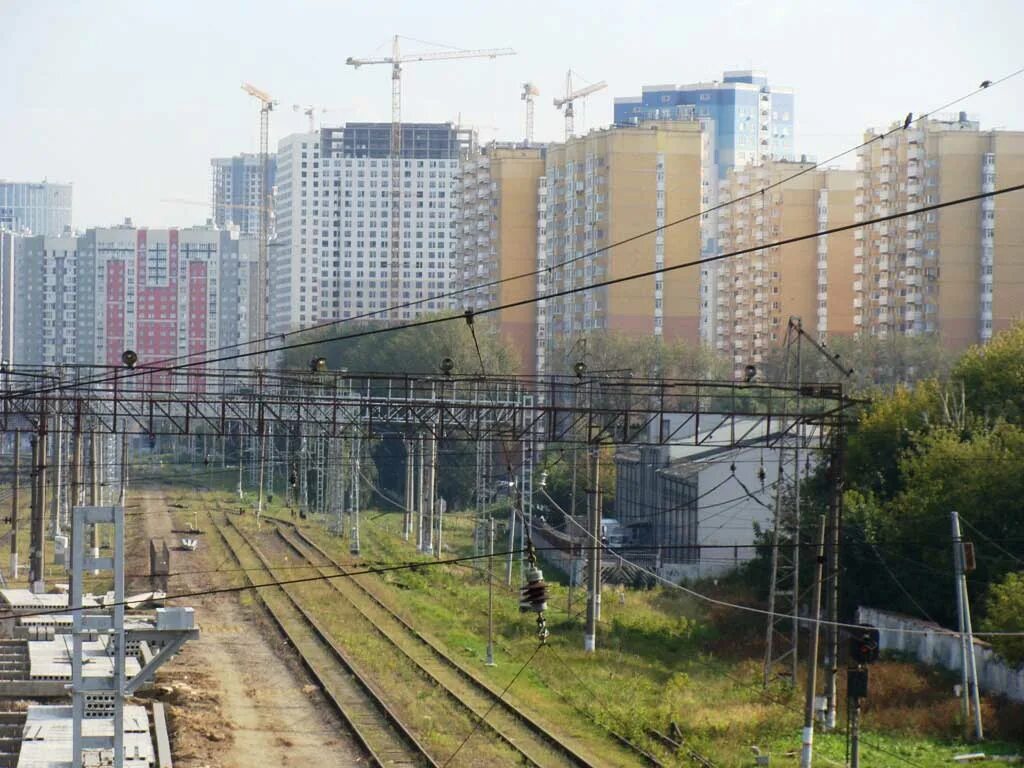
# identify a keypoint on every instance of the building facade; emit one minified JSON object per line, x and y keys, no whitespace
{"x":603,"y":188}
{"x":753,"y":120}
{"x":956,"y":272}
{"x":497,"y":239}
{"x":35,"y":208}
{"x":236,"y":192}
{"x":758,"y":291}
{"x":163,"y":293}
{"x":331,"y":257}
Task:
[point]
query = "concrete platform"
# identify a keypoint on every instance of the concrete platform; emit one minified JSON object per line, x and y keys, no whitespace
{"x":46,"y":738}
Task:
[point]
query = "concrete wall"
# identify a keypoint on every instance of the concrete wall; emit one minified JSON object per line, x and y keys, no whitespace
{"x":941,"y":647}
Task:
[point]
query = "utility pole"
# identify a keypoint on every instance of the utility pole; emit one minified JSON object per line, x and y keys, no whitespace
{"x":807,"y":744}
{"x":420,"y":511}
{"x":38,"y":534}
{"x":356,"y":501}
{"x":836,"y":478}
{"x":15,"y":481}
{"x":124,"y":470}
{"x":490,"y":592}
{"x":428,"y":545}
{"x":95,"y":452}
{"x":968,"y":664}
{"x":594,"y":561}
{"x":410,"y":472}
{"x":58,"y":457}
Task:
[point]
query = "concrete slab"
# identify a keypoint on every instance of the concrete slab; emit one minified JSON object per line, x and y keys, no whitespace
{"x":46,"y":737}
{"x":26,"y":600}
{"x":51,"y":659}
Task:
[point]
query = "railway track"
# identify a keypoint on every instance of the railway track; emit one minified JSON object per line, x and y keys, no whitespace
{"x":446,"y":670}
{"x":528,"y":743}
{"x":384,"y":739}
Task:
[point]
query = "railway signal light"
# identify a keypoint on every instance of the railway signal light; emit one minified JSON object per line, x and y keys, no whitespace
{"x":864,"y":645}
{"x":129,"y":358}
{"x":447,"y":366}
{"x":318,"y":364}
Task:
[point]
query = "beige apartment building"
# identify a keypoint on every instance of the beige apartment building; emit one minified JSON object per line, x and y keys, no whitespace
{"x":603,"y":188}
{"x":757,"y":292}
{"x":497,"y":239}
{"x":958,"y":271}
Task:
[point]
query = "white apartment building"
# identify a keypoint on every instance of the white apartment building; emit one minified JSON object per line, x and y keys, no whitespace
{"x":331,"y":257}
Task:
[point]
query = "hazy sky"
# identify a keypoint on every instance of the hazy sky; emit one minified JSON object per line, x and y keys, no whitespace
{"x":130,"y":100}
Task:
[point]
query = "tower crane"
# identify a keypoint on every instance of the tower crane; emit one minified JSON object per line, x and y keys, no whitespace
{"x":267,"y":105}
{"x":529,"y":92}
{"x":566,"y":103}
{"x":396,"y":60}
{"x":309,"y":111}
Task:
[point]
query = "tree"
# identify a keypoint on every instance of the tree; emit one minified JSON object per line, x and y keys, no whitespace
{"x":878,"y":365}
{"x":992,"y":376}
{"x":417,"y":350}
{"x":647,"y":356}
{"x":1004,"y":612}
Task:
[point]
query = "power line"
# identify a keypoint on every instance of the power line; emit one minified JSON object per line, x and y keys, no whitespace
{"x":425,"y":322}
{"x":718,"y":206}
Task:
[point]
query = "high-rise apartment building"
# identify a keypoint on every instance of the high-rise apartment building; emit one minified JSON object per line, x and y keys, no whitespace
{"x":959,"y":271}
{"x":606,"y":187}
{"x":753,"y":120}
{"x":748,"y":122}
{"x":236,"y":193}
{"x":36,"y":208}
{"x":497,"y":239}
{"x":165,"y":293}
{"x":331,"y":258}
{"x":759,"y":291}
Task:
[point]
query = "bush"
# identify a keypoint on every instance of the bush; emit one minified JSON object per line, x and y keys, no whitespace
{"x":1004,"y":612}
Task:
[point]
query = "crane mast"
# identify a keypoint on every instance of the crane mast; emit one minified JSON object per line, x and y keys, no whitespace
{"x":261,"y":304}
{"x":396,"y":59}
{"x":529,"y":92}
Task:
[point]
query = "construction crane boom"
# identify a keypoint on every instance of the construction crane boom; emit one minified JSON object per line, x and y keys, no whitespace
{"x":396,"y":59}
{"x":565,"y":103}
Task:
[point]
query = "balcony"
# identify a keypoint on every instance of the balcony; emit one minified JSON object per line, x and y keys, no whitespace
{"x":913,"y":261}
{"x":858,"y":302}
{"x":858,"y":199}
{"x":913,"y":297}
{"x":858,"y":286}
{"x":822,"y":263}
{"x":858,"y":252}
{"x":858,"y":319}
{"x":822,"y":295}
{"x":914,"y":189}
{"x":858,"y":269}
{"x":883,"y":284}
{"x":912,"y":280}
{"x":858,"y":234}
{"x":988,"y":241}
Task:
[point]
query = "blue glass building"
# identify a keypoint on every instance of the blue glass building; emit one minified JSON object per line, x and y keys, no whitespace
{"x":753,"y":121}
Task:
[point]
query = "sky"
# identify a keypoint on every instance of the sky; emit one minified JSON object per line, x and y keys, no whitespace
{"x":130,"y":100}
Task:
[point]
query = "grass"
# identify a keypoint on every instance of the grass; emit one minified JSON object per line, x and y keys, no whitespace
{"x":662,"y":658}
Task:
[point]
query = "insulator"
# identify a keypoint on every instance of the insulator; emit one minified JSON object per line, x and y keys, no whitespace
{"x":535,"y":593}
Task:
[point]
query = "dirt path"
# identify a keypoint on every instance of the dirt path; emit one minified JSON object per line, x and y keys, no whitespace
{"x":238,"y":697}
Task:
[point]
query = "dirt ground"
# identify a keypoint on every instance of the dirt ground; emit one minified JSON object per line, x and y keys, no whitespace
{"x":237,"y":697}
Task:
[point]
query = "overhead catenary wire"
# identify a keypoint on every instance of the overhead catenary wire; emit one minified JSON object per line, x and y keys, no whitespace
{"x":587,"y":254}
{"x":431,"y":321}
